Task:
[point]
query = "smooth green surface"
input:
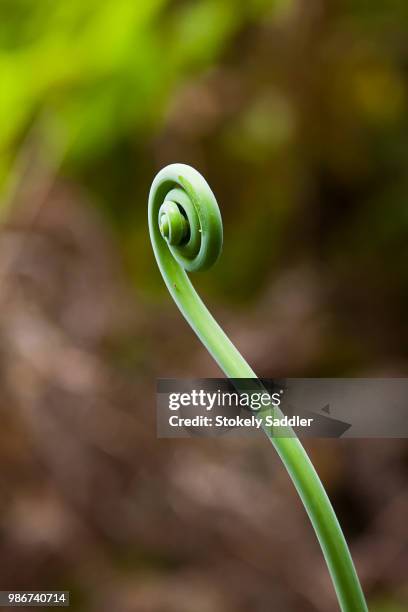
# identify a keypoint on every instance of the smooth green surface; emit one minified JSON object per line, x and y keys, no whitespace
{"x":181,"y":184}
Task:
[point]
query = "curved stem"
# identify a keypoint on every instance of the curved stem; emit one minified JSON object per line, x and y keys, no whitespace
{"x":290,"y":450}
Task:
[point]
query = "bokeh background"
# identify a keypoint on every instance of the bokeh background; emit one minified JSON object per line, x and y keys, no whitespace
{"x":296,"y":113}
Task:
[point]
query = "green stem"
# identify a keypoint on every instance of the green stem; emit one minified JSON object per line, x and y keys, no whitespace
{"x":186,"y":232}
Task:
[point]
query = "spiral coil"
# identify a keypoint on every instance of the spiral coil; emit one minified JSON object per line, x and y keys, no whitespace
{"x":188,"y":219}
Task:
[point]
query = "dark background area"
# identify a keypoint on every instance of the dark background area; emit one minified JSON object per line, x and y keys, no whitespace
{"x":296,"y":113}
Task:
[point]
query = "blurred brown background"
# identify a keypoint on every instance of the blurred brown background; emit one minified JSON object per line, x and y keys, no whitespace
{"x":296,"y":113}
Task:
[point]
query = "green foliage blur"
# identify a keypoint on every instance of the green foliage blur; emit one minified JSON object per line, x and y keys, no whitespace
{"x":104,"y":70}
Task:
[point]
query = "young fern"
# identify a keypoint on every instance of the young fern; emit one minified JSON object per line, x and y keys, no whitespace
{"x":186,"y":232}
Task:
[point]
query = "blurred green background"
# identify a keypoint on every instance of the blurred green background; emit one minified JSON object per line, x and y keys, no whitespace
{"x":296,"y":113}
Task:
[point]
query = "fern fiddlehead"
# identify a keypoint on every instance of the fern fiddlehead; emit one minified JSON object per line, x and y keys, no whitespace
{"x":186,"y":232}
